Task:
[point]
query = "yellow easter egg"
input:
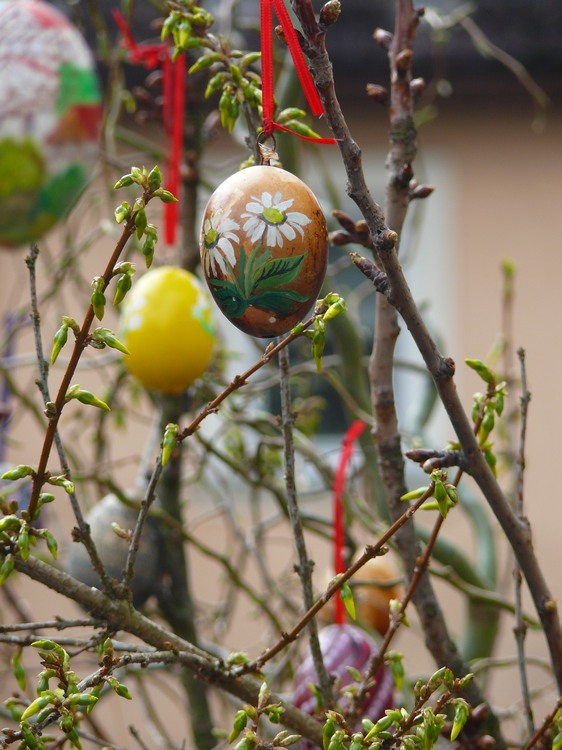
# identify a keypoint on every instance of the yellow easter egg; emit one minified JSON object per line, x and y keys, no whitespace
{"x":167,"y":327}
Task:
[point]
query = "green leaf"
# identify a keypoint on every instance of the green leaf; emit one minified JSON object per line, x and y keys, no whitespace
{"x":346,"y":595}
{"x":460,"y":718}
{"x":277,"y":272}
{"x":482,"y":370}
{"x":18,"y":669}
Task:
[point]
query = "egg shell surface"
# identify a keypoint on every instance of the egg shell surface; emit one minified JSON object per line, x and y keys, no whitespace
{"x":166,"y":324}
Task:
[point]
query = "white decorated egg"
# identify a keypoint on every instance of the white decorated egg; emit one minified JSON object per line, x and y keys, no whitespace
{"x":50,"y":115}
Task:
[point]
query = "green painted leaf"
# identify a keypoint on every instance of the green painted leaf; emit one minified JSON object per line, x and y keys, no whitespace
{"x":228,"y":297}
{"x":256,"y":261}
{"x":280,"y":301}
{"x":277,"y":272}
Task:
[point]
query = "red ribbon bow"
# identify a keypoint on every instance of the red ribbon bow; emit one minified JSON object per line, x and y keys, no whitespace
{"x":266,"y":17}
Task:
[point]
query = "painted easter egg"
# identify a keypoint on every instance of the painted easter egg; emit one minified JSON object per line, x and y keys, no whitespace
{"x":374,"y":585}
{"x":50,"y":115}
{"x":113,"y":549}
{"x":344,"y":646}
{"x":167,"y":327}
{"x":264,"y":249}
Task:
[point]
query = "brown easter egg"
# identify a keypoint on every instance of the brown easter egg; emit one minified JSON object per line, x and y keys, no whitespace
{"x":264,"y":249}
{"x":374,"y":585}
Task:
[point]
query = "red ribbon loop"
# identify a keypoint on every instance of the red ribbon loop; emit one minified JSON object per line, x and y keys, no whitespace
{"x":352,"y":434}
{"x":312,"y":97}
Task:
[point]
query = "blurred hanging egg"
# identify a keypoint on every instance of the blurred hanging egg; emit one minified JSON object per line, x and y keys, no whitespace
{"x":113,"y":550}
{"x":50,"y":116}
{"x":344,"y":646}
{"x":167,"y":327}
{"x":374,"y":585}
{"x":264,"y":246}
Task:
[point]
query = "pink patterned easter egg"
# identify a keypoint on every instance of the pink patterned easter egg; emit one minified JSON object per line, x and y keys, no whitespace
{"x":264,"y":248}
{"x":345,"y":646}
{"x":50,"y":115}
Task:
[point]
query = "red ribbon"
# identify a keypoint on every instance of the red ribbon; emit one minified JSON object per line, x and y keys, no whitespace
{"x":266,"y":18}
{"x":173,"y":104}
{"x":352,"y":434}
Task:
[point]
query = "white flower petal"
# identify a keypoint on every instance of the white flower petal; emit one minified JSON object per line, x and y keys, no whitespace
{"x":253,"y":208}
{"x":294,"y":217}
{"x":226,"y":246}
{"x":288,"y":230}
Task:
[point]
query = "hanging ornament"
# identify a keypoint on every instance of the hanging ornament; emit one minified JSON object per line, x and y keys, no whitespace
{"x":264,"y":241}
{"x":264,"y":246}
{"x":342,"y":647}
{"x":167,"y":327}
{"x":113,"y":549}
{"x":50,"y":116}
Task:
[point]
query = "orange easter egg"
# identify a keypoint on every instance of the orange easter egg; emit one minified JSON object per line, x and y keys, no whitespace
{"x":264,"y":249}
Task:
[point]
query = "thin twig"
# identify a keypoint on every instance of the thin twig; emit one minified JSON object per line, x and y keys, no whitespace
{"x":52,"y":430}
{"x":372,"y":550}
{"x":441,"y":368}
{"x":520,"y":629}
{"x":545,"y":726}
{"x":305,"y":564}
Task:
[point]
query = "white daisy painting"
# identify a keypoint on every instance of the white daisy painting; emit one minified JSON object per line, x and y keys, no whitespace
{"x":267,"y":219}
{"x":218,"y":235}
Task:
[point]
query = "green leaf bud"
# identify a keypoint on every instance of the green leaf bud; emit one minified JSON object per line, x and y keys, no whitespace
{"x":52,"y":544}
{"x":22,"y":542}
{"x":60,"y":339}
{"x":18,"y":669}
{"x":301,"y":129}
{"x":205,"y":61}
{"x":335,"y":309}
{"x":148,"y":251}
{"x":249,"y":59}
{"x":154,"y":179}
{"x":9,"y":523}
{"x":482,"y":370}
{"x":415,"y":494}
{"x":346,"y":595}
{"x":43,"y":680}
{"x":169,"y":442}
{"x":82,"y":699}
{"x":6,"y":568}
{"x":62,"y":481}
{"x":140,"y":223}
{"x":394,"y":661}
{"x":290,"y":740}
{"x":167,"y":197}
{"x":85,"y":397}
{"x":215,"y":83}
{"x":122,"y":212}
{"x":21,"y":470}
{"x":291,"y":113}
{"x":239,"y":723}
{"x":110,"y":339}
{"x":38,"y":704}
{"x":31,"y":740}
{"x":97,"y":301}
{"x":125,"y":181}
{"x":460,"y":718}
{"x":124,"y":284}
{"x":328,"y":732}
